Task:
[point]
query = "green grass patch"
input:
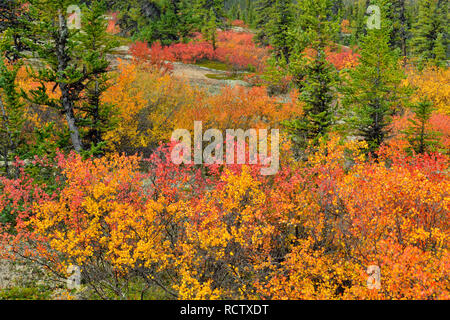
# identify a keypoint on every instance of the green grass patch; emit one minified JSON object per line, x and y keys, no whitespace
{"x":216,"y":65}
{"x":20,"y":293}
{"x":225,"y":76}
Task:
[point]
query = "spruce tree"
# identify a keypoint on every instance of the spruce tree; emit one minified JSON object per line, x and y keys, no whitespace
{"x":75,"y":61}
{"x":172,"y":21}
{"x":440,"y":51}
{"x":428,"y":32}
{"x":401,"y":26}
{"x":420,"y":137}
{"x":313,"y":74}
{"x":278,"y":27}
{"x":371,"y":90}
{"x":263,"y":11}
{"x":249,"y":13}
{"x":358,"y":24}
{"x":210,"y":29}
{"x":12,"y":115}
{"x":93,"y":46}
{"x":164,"y":29}
{"x":12,"y":13}
{"x":234,"y":12}
{"x":12,"y":109}
{"x":203,"y":9}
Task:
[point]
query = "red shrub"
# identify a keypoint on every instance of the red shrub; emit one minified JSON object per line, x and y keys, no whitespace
{"x":234,"y":48}
{"x":345,"y":58}
{"x":239,"y":23}
{"x":156,"y":55}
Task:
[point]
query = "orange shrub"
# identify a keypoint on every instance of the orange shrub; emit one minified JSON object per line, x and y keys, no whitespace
{"x":309,"y":232}
{"x":242,"y":108}
{"x":432,"y":83}
{"x":148,"y":103}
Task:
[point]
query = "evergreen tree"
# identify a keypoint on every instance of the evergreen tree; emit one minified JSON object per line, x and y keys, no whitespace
{"x":167,"y":21}
{"x":203,"y":9}
{"x":12,"y":13}
{"x":136,"y":16}
{"x":440,"y":51}
{"x":428,"y":33}
{"x":12,"y":115}
{"x":278,"y":27}
{"x":93,"y":46}
{"x":234,"y":12}
{"x":401,"y":25}
{"x":263,"y":11}
{"x":358,"y":24}
{"x":164,"y":29}
{"x":210,"y":29}
{"x":171,"y":21}
{"x":421,"y":138}
{"x":184,"y":13}
{"x":249,"y":13}
{"x":75,"y":61}
{"x":314,"y":76}
{"x":12,"y":110}
{"x":371,"y":92}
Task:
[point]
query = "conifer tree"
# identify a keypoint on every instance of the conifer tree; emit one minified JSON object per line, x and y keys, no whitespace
{"x":278,"y":28}
{"x":12,"y":115}
{"x":421,"y":138}
{"x":210,"y":29}
{"x":428,"y":42}
{"x":249,"y":13}
{"x":440,"y":51}
{"x":12,"y":108}
{"x":172,"y":21}
{"x":314,"y":75}
{"x":234,"y":12}
{"x":93,"y":46}
{"x":263,"y":11}
{"x":203,"y":8}
{"x":401,"y":25}
{"x":358,"y":24}
{"x":371,"y":91}
{"x":12,"y":13}
{"x":165,"y":28}
{"x":75,"y":61}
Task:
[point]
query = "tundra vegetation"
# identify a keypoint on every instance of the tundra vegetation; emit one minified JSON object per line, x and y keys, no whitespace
{"x":86,"y":177}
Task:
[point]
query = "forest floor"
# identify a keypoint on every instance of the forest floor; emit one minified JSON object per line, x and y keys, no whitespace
{"x":19,"y":280}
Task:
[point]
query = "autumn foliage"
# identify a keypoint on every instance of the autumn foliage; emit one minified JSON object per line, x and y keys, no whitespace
{"x":340,"y":58}
{"x":309,"y":233}
{"x":432,"y":83}
{"x":234,"y":48}
{"x":151,"y":104}
{"x":133,"y":219}
{"x":438,"y":126}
